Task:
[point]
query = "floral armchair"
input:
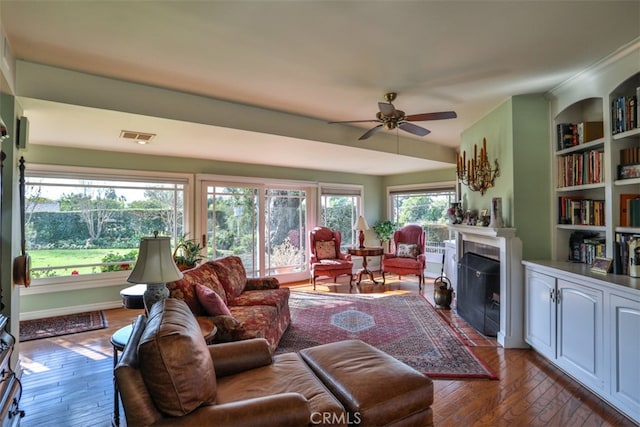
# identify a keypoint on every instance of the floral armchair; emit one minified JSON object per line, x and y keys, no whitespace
{"x":408,"y":256}
{"x":326,"y":258}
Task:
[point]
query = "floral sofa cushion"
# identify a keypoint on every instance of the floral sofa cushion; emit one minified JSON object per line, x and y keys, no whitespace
{"x":185,"y":290}
{"x":232,"y":275}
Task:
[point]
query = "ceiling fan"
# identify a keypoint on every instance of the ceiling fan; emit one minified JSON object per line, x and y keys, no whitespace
{"x":390,"y":118}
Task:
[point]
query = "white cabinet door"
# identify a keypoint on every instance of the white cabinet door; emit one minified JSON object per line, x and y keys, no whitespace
{"x":580,"y":340}
{"x":540,"y":313}
{"x":625,"y":348}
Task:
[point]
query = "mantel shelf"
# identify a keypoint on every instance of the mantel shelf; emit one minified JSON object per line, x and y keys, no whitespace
{"x":483,"y":231}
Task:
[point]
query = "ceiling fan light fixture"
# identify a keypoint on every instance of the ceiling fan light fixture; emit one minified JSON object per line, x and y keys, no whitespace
{"x":391,"y":118}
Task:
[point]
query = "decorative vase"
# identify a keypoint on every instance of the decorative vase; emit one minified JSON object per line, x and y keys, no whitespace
{"x":496,"y":213}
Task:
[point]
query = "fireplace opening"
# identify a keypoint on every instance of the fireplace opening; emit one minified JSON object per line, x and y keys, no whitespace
{"x":478,"y":296}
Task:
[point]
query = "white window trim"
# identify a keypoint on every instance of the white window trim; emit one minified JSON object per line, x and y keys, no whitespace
{"x":410,"y":187}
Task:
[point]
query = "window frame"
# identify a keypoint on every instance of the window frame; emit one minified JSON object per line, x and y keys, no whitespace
{"x":329,"y":189}
{"x":415,"y":188}
{"x":112,"y":278}
{"x":311,"y":187}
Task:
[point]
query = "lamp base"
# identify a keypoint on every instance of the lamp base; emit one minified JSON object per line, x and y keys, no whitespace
{"x":361,"y":239}
{"x":155,"y":292}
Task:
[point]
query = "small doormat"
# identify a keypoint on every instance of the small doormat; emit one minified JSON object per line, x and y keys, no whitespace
{"x":62,"y":325}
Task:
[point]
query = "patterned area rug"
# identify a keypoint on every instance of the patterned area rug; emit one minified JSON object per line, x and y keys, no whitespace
{"x":62,"y":325}
{"x":405,"y":326}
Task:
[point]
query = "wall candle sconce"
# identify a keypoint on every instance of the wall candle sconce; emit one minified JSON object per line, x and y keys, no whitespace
{"x":476,"y":173}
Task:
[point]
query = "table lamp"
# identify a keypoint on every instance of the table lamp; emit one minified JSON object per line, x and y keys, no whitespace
{"x":361,"y":225}
{"x":154,"y":267}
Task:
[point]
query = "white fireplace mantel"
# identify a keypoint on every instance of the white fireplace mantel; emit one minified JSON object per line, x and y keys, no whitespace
{"x":511,"y":333}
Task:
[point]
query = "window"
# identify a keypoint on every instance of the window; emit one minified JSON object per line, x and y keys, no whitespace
{"x":339,"y":209}
{"x":426,"y":207}
{"x":86,"y":222}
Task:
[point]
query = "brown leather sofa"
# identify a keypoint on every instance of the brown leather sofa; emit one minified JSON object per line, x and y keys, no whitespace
{"x":168,"y":375}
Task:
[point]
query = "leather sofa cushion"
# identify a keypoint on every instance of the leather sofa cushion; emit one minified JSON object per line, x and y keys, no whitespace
{"x":379,"y":388}
{"x":174,"y":360}
{"x":287,"y":374}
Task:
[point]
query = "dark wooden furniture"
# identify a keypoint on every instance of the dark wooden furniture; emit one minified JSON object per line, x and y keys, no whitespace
{"x":118,"y":340}
{"x":10,"y":385}
{"x":364,"y":253}
{"x":132,"y":297}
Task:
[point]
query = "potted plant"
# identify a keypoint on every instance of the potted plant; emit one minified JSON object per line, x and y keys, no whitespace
{"x":384,"y":231}
{"x":187,"y":254}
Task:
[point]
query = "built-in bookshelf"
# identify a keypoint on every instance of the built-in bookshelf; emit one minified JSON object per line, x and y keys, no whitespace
{"x":597,"y":167}
{"x":580,"y":169}
{"x":625,"y":153}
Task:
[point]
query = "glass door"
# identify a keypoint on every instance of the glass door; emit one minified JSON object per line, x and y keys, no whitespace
{"x":264,"y":225}
{"x":233,"y":224}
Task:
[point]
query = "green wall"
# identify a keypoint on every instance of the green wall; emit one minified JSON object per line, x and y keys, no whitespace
{"x":517,"y":134}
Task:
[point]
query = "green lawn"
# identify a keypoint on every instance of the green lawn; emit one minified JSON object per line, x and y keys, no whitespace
{"x":61,"y":257}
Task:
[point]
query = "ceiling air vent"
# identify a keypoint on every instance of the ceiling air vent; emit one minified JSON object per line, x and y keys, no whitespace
{"x":139,"y":137}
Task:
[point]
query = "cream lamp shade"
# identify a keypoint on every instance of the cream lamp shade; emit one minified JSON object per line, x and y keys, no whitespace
{"x":361,"y":225}
{"x":154,"y":267}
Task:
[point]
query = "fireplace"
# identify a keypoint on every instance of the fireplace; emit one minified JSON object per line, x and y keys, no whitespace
{"x":478,"y":299}
{"x":503,"y":246}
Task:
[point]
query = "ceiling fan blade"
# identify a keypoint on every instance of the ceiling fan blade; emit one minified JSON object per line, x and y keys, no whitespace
{"x":386,"y":109}
{"x":431,"y":116}
{"x":357,"y":121}
{"x":414,"y":129}
{"x":370,"y":132}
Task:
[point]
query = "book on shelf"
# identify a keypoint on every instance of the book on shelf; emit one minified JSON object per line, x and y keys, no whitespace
{"x":630,"y":156}
{"x":634,"y":212}
{"x":586,"y":247}
{"x":575,"y":210}
{"x":628,"y":171}
{"x":624,"y":113}
{"x":581,"y":168}
{"x":621,"y":252}
{"x":625,"y":201}
{"x":572,"y":134}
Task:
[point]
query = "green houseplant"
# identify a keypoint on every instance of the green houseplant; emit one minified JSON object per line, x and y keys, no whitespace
{"x":187,"y":254}
{"x":384,"y":231}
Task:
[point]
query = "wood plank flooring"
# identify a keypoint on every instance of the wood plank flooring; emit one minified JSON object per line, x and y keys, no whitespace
{"x":67,"y":381}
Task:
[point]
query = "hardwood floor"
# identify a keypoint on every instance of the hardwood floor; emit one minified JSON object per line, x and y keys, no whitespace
{"x":67,"y":381}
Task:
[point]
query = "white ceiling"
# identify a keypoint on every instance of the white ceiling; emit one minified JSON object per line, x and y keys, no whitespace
{"x":325,"y":60}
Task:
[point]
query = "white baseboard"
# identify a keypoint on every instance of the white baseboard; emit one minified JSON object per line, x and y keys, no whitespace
{"x":30,"y":315}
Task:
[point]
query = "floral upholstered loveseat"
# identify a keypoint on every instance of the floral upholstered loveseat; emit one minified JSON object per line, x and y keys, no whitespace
{"x":240,"y":307}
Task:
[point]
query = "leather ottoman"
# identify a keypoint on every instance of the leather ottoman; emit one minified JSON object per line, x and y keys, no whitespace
{"x":376,"y":389}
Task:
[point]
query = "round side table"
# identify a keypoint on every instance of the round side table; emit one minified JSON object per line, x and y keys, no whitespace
{"x":364,"y":253}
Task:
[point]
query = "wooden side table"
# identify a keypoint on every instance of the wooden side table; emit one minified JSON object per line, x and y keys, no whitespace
{"x":364,"y":253}
{"x":132,"y":297}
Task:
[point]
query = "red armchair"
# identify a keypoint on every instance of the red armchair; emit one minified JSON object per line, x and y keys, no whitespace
{"x":408,"y":256}
{"x":326,"y":258}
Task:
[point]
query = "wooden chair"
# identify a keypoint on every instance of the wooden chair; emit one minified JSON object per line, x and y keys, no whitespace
{"x":408,"y":256}
{"x":326,"y":258}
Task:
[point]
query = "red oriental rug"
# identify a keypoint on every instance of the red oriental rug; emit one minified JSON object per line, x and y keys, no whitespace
{"x":405,"y":326}
{"x":61,"y":325}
